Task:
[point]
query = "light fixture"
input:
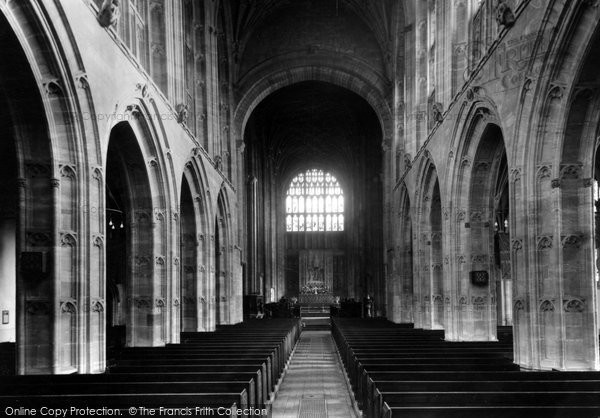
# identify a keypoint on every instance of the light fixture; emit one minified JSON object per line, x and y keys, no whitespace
{"x":121,"y":225}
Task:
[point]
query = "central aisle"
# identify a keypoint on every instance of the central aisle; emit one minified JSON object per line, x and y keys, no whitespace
{"x":314,"y":385}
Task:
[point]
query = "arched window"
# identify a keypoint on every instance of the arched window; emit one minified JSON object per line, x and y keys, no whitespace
{"x":314,"y":202}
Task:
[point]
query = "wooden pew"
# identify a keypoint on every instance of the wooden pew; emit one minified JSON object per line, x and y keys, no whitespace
{"x":233,"y":367}
{"x":405,"y":374}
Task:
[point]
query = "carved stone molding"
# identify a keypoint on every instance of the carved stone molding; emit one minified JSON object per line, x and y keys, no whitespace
{"x":69,"y":306}
{"x":546,"y":305}
{"x":142,"y":88}
{"x":142,"y":302}
{"x":475,"y":93}
{"x":158,"y":49}
{"x":482,"y":166}
{"x":544,"y":242}
{"x":437,"y":112}
{"x":515,"y":174}
{"x":519,"y":305}
{"x":97,"y":173}
{"x":527,"y":85}
{"x":479,"y":258}
{"x":571,"y":241}
{"x":98,"y":241}
{"x":446,"y":213}
{"x":97,"y":305}
{"x":517,"y":245}
{"x":574,"y":304}
{"x":34,"y":170}
{"x":570,"y":171}
{"x":134,"y":109}
{"x":556,"y":91}
{"x":38,"y":238}
{"x":141,"y":260}
{"x":159,"y":215}
{"x":68,"y":239}
{"x":504,"y":14}
{"x":159,"y":302}
{"x":465,"y":162}
{"x":543,"y":172}
{"x":53,"y":88}
{"x":82,"y":81}
{"x":159,"y":260}
{"x":142,"y":216}
{"x":109,"y":13}
{"x":476,"y":216}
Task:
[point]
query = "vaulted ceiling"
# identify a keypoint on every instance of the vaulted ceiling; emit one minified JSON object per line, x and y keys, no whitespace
{"x":378,"y":15}
{"x":316,"y":124}
{"x":364,"y":29}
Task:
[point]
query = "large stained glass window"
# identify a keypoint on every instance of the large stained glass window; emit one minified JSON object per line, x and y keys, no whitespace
{"x":314,"y":202}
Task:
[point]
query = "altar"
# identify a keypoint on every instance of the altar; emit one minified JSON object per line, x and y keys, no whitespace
{"x":317,"y":299}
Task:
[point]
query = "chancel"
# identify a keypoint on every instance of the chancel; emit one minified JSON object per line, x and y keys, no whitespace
{"x":281,"y":208}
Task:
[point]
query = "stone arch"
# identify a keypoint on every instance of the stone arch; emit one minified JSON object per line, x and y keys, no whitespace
{"x":254,"y":90}
{"x":197,"y":286}
{"x":225,"y":291}
{"x":428,"y":260}
{"x":130,"y":242}
{"x":559,"y":163}
{"x":155,"y":217}
{"x":400,"y":287}
{"x":476,"y":151}
{"x":53,"y":183}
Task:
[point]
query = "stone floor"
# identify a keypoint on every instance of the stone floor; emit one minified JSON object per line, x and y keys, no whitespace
{"x":314,"y":385}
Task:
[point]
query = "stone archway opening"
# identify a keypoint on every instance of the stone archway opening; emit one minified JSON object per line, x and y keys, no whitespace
{"x":129,"y":248}
{"x":489,"y":286}
{"x":428,"y":284}
{"x":26,"y":222}
{"x":222,"y":274}
{"x":9,"y":207}
{"x":190,"y":319}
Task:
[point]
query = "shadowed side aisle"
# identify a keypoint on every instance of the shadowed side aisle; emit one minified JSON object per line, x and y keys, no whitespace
{"x":314,"y":385}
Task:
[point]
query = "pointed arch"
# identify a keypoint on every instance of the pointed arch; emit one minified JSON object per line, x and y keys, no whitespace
{"x":197,"y":291}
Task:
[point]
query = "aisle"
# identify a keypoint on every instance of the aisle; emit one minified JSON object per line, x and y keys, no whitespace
{"x":314,"y":385}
